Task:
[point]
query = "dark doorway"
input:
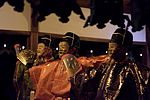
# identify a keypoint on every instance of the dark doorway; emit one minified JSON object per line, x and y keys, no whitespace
{"x":89,"y":48}
{"x":8,"y":40}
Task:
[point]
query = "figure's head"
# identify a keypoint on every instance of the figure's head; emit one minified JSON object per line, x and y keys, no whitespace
{"x":70,"y":43}
{"x":63,"y":48}
{"x":17,"y":48}
{"x":120,"y":38}
{"x":44,"y":41}
{"x":40,"y":49}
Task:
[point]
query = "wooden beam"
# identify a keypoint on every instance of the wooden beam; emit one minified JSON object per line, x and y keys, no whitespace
{"x":127,"y":6}
{"x":12,"y":32}
{"x":85,"y":4}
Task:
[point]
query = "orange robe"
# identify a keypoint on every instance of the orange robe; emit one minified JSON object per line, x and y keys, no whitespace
{"x":52,"y":80}
{"x":35,"y":73}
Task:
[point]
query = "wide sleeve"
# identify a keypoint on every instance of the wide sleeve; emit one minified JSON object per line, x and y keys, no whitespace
{"x":92,"y":61}
{"x":35,"y":73}
{"x":53,"y":83}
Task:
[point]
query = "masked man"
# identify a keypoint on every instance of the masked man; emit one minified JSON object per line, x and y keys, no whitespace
{"x":53,"y":82}
{"x":21,"y":78}
{"x":44,"y":52}
{"x":123,"y":78}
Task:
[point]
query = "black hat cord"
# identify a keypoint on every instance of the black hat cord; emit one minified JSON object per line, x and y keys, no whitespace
{"x":126,"y":29}
{"x":71,"y":38}
{"x":130,"y":56}
{"x":46,"y":38}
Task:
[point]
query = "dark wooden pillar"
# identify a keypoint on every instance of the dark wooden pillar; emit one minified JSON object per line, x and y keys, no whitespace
{"x":148,"y":45}
{"x":34,"y":33}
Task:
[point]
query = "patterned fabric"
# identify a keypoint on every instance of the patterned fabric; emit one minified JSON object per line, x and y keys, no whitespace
{"x":26,"y":56}
{"x":35,"y":73}
{"x":123,"y":80}
{"x":21,"y":78}
{"x":22,"y":81}
{"x":85,"y":83}
{"x":51,"y":80}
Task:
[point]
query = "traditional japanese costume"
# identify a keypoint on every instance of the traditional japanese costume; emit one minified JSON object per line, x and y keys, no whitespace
{"x":85,"y":83}
{"x":53,"y":79}
{"x":124,"y":79}
{"x":21,"y":77}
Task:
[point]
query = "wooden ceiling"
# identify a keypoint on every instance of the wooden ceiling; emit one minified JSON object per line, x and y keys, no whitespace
{"x":85,"y":3}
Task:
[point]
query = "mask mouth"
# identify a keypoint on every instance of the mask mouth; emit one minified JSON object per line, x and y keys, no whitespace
{"x":39,"y":52}
{"x":62,"y":52}
{"x":110,"y":52}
